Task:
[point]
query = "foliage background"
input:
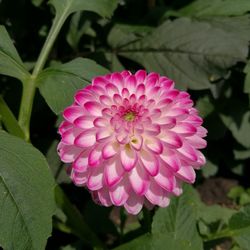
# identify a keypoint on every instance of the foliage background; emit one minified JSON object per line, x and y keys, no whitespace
{"x":203,"y":45}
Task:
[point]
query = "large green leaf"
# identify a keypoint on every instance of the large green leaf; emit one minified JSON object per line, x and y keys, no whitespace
{"x":192,"y":52}
{"x":26,"y":195}
{"x":173,"y":228}
{"x":216,"y":8}
{"x":59,"y":83}
{"x":10,"y":62}
{"x":239,"y":225}
{"x":102,"y":7}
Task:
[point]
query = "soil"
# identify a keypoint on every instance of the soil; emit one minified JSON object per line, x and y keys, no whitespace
{"x":215,"y":190}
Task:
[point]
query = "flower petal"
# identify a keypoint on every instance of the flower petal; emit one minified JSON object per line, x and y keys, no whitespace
{"x":117,"y":79}
{"x":113,"y":172}
{"x":105,"y":100}
{"x":165,"y":178}
{"x":122,"y":137}
{"x":84,"y":122}
{"x":100,"y":122}
{"x":136,"y":142}
{"x":110,"y":149}
{"x":85,"y":139}
{"x":197,"y":142}
{"x":152,"y":129}
{"x":119,"y":194}
{"x":140,"y":76}
{"x":95,"y":180}
{"x":130,"y":83}
{"x":140,"y":90}
{"x":155,"y":194}
{"x":178,"y":189}
{"x":81,"y":163}
{"x":95,"y":156}
{"x":134,"y":203}
{"x":103,"y":134}
{"x":150,"y":162}
{"x":68,"y":153}
{"x":171,"y":159}
{"x":111,"y":89}
{"x":104,"y":198}
{"x":185,"y":129}
{"x":94,"y":108}
{"x":188,"y":152}
{"x":186,"y":173}
{"x":171,"y":139}
{"x":64,"y":126}
{"x":79,"y":178}
{"x":69,"y":136}
{"x":73,"y":112}
{"x":139,"y":180}
{"x":128,"y":157}
{"x":154,"y":145}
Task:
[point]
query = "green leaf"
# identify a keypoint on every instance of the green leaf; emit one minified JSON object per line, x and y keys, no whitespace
{"x":209,"y":169}
{"x":77,"y":29}
{"x":10,"y":62}
{"x":173,"y":228}
{"x":104,"y":8}
{"x":26,"y":195}
{"x":235,"y":192}
{"x":75,"y":220}
{"x":239,"y":225}
{"x":241,"y":154}
{"x":244,"y":199}
{"x":192,"y":52}
{"x":179,"y":219}
{"x":59,"y":83}
{"x":122,"y":34}
{"x":37,"y":3}
{"x":214,"y":213}
{"x":201,"y":8}
{"x":205,"y":106}
{"x":9,"y":120}
{"x":240,"y":130}
{"x":58,"y":168}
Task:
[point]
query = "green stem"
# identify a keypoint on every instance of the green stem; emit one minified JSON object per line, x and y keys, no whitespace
{"x":53,"y":33}
{"x":147,"y":219}
{"x":29,"y":88}
{"x":222,"y":234}
{"x":29,"y":85}
{"x":123,"y":218}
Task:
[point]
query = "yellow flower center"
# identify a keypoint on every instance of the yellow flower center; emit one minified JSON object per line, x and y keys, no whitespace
{"x":130,"y":116}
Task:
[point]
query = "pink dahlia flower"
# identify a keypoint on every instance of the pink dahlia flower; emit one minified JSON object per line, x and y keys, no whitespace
{"x":132,"y":139}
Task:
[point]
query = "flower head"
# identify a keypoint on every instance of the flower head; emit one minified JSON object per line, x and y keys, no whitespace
{"x":132,"y":139}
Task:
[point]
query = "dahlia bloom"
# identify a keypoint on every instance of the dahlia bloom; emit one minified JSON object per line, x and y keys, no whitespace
{"x":132,"y":140}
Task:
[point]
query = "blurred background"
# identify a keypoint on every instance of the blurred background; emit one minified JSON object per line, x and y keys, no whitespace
{"x":202,"y":45}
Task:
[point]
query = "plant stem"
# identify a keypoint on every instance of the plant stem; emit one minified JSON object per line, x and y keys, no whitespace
{"x":53,"y":33}
{"x":123,"y":218}
{"x":29,"y":88}
{"x":147,"y":219}
{"x":222,"y":234}
{"x":29,"y":85}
